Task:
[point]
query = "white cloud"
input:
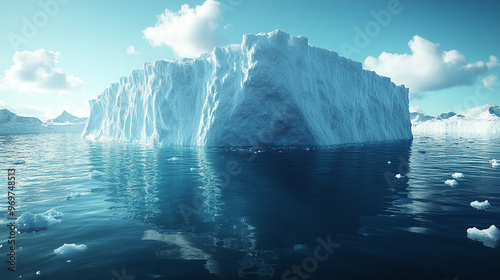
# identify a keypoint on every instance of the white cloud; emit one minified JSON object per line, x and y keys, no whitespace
{"x":428,"y":67}
{"x":414,"y":109}
{"x":36,"y":72}
{"x":42,"y":113}
{"x":190,"y":31}
{"x":5,"y":105}
{"x":131,"y":50}
{"x":489,"y":81}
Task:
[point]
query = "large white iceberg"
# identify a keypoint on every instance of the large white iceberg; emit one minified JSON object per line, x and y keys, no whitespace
{"x":272,"y":89}
{"x":489,"y":236}
{"x":480,"y":121}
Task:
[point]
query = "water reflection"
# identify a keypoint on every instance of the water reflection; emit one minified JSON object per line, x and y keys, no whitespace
{"x":258,"y":210}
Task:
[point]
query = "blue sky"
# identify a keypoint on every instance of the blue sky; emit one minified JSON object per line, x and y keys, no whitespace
{"x":57,"y":54}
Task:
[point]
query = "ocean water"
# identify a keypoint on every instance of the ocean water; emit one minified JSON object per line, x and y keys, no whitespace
{"x":282,"y":213}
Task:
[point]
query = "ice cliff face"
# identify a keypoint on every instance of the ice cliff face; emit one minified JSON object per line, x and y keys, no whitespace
{"x":272,"y":89}
{"x":480,"y":121}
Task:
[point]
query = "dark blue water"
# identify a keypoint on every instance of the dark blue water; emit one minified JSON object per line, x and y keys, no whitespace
{"x":315,"y":213}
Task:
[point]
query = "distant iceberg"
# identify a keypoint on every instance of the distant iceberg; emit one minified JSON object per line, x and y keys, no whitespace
{"x":480,"y":121}
{"x":11,"y":123}
{"x":273,"y":89}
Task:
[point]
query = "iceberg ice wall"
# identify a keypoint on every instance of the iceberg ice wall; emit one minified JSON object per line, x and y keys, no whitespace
{"x":272,"y":89}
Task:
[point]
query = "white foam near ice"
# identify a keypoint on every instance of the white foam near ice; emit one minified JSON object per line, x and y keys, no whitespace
{"x":451,"y":182}
{"x":457,"y":175}
{"x":489,"y":237}
{"x":72,"y":195}
{"x":480,"y":205}
{"x":70,"y":249}
{"x":495,"y":163}
{"x":35,"y":222}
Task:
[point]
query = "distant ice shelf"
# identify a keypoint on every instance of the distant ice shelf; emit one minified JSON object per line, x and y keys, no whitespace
{"x":11,"y":123}
{"x":481,"y":121}
{"x":273,"y":89}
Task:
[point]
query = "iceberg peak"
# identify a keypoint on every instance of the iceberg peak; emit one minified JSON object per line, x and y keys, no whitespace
{"x":273,"y":89}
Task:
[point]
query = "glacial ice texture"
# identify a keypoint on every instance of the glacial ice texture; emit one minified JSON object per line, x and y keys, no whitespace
{"x":272,"y":89}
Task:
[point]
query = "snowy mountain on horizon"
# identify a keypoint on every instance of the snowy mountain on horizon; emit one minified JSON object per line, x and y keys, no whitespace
{"x":66,"y":117}
{"x":480,"y":121}
{"x":11,"y":123}
{"x":273,"y":89}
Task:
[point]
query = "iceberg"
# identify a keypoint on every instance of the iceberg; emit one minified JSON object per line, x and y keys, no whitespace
{"x":495,"y":163}
{"x":273,"y":89}
{"x":480,"y":205}
{"x":481,"y":121}
{"x":489,"y":237}
{"x":35,"y":222}
{"x":457,"y":175}
{"x":70,"y":249}
{"x":451,"y":182}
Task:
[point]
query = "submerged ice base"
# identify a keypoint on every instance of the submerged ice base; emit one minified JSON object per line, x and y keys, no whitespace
{"x":272,"y":89}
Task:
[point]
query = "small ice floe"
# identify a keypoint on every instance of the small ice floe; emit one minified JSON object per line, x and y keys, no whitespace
{"x":73,"y":195}
{"x":192,"y":169}
{"x":457,"y":175}
{"x":451,"y":183}
{"x":35,"y":222}
{"x":489,"y":236}
{"x":495,"y":163}
{"x":96,"y":174}
{"x":38,"y":272}
{"x":173,"y":159}
{"x":70,"y":249}
{"x":299,"y":247}
{"x":18,"y":162}
{"x":389,"y":162}
{"x":480,"y":205}
{"x":399,"y":176}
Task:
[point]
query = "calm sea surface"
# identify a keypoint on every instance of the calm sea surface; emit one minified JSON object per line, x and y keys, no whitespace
{"x":283,"y":213}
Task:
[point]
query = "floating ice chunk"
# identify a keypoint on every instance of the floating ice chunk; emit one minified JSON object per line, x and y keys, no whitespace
{"x":457,"y":175}
{"x":451,"y":182}
{"x":495,"y":163}
{"x":489,"y":236}
{"x":72,"y":195}
{"x":96,"y":174}
{"x":70,"y":249}
{"x":399,"y":176}
{"x":35,"y":222}
{"x":389,"y":162}
{"x":173,"y":158}
{"x":480,"y":205}
{"x":192,"y":169}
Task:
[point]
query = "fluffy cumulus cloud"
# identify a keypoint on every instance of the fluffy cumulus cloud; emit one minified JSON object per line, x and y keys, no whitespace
{"x":131,"y":50}
{"x":36,"y":72}
{"x":190,"y":31}
{"x":428,"y":67}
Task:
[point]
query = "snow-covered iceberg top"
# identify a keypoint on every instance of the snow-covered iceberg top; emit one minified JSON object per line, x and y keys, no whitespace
{"x":480,"y":121}
{"x":272,"y":89}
